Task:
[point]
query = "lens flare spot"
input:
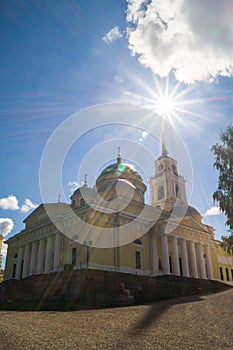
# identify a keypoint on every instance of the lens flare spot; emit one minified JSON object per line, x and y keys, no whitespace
{"x":121,"y":168}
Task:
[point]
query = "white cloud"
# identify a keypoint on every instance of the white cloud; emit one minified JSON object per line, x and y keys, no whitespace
{"x":4,"y":249}
{"x":194,"y":39}
{"x":112,"y":35}
{"x":6,"y":226}
{"x":28,"y":205}
{"x":10,"y":202}
{"x":213,"y":211}
{"x":73,"y":185}
{"x":135,"y":10}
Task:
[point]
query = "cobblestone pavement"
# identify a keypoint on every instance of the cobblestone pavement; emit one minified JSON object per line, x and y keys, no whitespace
{"x":196,"y":322}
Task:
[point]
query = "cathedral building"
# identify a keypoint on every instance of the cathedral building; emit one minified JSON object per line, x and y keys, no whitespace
{"x":163,"y":238}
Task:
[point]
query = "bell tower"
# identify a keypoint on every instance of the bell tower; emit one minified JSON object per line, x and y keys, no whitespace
{"x":167,"y":187}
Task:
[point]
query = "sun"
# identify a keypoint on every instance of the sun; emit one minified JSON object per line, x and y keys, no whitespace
{"x":170,"y":101}
{"x":168,"y":98}
{"x":165,"y":105}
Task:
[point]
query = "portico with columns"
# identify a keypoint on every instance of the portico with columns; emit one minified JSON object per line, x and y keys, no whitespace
{"x":42,"y":255}
{"x":181,"y":256}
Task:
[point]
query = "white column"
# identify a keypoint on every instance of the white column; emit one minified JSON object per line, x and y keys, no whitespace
{"x":154,"y":255}
{"x":209,"y":266}
{"x":165,"y":255}
{"x":57,"y":253}
{"x":48,"y":255}
{"x":19,"y":263}
{"x":184,"y":258}
{"x":26,"y":260}
{"x":201,"y":262}
{"x":175,"y":257}
{"x":40,"y":258}
{"x":32,"y":268}
{"x":193,"y":259}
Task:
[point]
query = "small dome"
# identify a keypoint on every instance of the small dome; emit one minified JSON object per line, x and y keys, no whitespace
{"x":82,"y":194}
{"x":79,"y":189}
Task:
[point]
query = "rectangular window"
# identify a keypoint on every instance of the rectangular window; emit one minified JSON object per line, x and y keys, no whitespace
{"x":74,"y":256}
{"x":232,"y":274}
{"x":138,"y":259}
{"x":221,"y":274}
{"x":227,"y":274}
{"x":14,"y":271}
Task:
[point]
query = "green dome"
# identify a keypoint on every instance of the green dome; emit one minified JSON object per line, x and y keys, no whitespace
{"x":114,"y":174}
{"x":119,"y":170}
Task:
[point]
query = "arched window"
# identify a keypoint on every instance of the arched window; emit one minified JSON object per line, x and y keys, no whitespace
{"x":178,"y":191}
{"x":82,"y":202}
{"x":73,"y":202}
{"x":75,"y":237}
{"x":138,"y":242}
{"x":160,"y":192}
{"x":174,"y":170}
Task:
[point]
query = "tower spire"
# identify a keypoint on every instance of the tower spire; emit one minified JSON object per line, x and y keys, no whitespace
{"x":85,"y":180}
{"x":164,"y":149}
{"x":119,"y":158}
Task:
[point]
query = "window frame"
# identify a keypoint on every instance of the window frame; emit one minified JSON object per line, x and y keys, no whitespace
{"x":138,"y":260}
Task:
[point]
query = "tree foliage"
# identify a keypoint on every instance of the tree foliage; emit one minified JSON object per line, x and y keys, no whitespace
{"x":224,"y":164}
{"x":227,"y":244}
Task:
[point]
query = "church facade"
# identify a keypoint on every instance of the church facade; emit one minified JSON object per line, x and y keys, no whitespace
{"x":168,"y":236}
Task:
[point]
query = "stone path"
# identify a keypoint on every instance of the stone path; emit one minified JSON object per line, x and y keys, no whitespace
{"x":197,"y":322}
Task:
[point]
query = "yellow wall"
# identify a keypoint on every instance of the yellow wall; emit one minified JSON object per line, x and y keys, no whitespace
{"x":127,"y":254}
{"x":106,"y":257}
{"x":101,"y":256}
{"x":222,"y":259}
{"x":10,"y":260}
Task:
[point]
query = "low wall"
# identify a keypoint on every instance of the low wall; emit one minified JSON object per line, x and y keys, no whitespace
{"x":69,"y":290}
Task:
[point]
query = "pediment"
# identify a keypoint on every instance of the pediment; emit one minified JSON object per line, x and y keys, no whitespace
{"x":192,"y":223}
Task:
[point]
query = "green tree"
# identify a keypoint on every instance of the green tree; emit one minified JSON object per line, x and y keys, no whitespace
{"x":224,"y":194}
{"x":227,"y":244}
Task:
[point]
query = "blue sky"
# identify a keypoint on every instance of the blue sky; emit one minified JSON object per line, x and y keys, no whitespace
{"x":59,"y":57}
